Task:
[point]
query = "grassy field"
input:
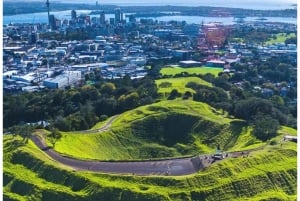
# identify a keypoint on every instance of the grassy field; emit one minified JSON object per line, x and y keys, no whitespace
{"x":195,"y":70}
{"x":269,"y":174}
{"x":179,"y":84}
{"x":151,"y":132}
{"x":280,"y":38}
{"x":100,"y":124}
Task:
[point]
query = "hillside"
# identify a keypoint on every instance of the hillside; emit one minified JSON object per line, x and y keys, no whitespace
{"x":270,"y":174}
{"x":179,"y":84}
{"x":165,"y":129}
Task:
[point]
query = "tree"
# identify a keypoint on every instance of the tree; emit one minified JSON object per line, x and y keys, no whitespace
{"x":87,"y":115}
{"x":54,"y":136}
{"x":129,"y":101}
{"x":277,"y":100}
{"x":62,"y":124}
{"x":265,"y":127}
{"x":205,"y":95}
{"x":174,"y":94}
{"x":187,"y":95}
{"x":108,"y":88}
{"x":224,"y":106}
{"x":247,"y":109}
{"x":14,"y":130}
{"x":25,"y":131}
{"x":222,"y":82}
{"x":209,"y":77}
{"x":236,"y":93}
{"x":89,"y":92}
{"x":106,"y":106}
{"x":165,"y":84}
{"x":292,"y":40}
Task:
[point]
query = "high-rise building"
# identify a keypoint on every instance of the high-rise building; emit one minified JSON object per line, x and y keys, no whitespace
{"x":111,"y":21}
{"x":118,"y":15}
{"x":73,"y":14}
{"x":87,"y":19}
{"x":132,"y":19}
{"x":48,"y":9}
{"x":102,"y":17}
{"x":32,"y":38}
{"x":52,"y":22}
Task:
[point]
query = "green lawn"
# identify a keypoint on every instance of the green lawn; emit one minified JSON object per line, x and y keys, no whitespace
{"x":280,"y":38}
{"x":269,"y":174}
{"x":100,"y":146}
{"x":100,"y":124}
{"x":179,"y":84}
{"x":130,"y":134}
{"x":195,"y":70}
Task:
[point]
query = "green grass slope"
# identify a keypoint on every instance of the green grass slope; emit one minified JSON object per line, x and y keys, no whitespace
{"x":193,"y":70}
{"x":165,"y":129}
{"x":179,"y":84}
{"x":269,"y":174}
{"x":280,"y":38}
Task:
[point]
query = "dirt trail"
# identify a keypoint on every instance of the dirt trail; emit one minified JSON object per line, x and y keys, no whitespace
{"x":103,"y":128}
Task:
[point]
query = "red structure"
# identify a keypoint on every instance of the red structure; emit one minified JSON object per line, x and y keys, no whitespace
{"x":212,"y":36}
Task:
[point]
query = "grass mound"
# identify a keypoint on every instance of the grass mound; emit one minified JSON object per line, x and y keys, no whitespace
{"x":165,"y":129}
{"x":269,"y":174}
{"x":179,"y":84}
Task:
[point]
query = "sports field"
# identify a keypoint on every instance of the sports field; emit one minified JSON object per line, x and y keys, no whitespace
{"x":193,"y":70}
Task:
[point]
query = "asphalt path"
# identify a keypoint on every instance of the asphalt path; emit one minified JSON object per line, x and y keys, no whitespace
{"x":182,"y":166}
{"x":167,"y":167}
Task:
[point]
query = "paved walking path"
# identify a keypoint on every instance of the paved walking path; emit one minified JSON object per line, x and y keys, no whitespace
{"x":183,"y":166}
{"x":167,"y":167}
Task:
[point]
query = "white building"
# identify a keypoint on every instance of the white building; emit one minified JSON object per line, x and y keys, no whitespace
{"x":66,"y":79}
{"x":89,"y":67}
{"x":25,"y":78}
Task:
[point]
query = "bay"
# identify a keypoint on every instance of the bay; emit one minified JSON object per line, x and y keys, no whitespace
{"x":246,"y":4}
{"x":43,"y":18}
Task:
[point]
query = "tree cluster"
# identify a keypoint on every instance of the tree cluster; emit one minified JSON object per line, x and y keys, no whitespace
{"x":78,"y":108}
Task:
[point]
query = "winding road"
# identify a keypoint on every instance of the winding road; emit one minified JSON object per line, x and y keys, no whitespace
{"x":182,"y":166}
{"x":167,"y":167}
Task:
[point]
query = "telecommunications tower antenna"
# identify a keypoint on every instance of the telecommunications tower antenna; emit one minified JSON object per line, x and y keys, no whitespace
{"x":48,"y":7}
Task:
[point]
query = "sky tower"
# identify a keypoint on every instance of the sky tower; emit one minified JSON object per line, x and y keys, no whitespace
{"x":48,"y":8}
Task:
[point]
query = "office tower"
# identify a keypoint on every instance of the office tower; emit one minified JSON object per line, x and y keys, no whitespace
{"x":102,"y":17}
{"x":52,"y":22}
{"x":132,"y":19}
{"x":111,"y":21}
{"x":48,"y":9}
{"x":118,"y":15}
{"x":73,"y":14}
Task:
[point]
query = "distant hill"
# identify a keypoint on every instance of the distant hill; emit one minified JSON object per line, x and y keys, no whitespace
{"x":22,"y":7}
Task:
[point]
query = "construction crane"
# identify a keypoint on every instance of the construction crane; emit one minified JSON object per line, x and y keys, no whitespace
{"x":48,"y":7}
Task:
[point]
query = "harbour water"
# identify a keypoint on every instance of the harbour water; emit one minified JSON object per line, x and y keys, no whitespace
{"x":246,"y":4}
{"x":43,"y":18}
